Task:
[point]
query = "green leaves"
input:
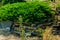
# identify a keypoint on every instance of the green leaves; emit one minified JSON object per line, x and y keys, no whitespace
{"x":11,"y":1}
{"x":32,"y":11}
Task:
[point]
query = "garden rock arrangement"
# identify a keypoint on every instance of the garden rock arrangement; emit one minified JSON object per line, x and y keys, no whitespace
{"x":5,"y":27}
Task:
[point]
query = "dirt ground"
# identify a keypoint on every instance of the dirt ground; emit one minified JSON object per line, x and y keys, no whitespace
{"x":12,"y":37}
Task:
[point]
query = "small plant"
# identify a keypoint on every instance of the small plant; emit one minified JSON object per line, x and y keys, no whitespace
{"x":47,"y":35}
{"x":21,"y":28}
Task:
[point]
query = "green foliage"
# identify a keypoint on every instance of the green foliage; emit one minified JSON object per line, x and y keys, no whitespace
{"x":58,"y":8}
{"x":32,"y":12}
{"x":11,"y":1}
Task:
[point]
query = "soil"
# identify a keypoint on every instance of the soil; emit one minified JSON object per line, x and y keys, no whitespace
{"x":12,"y":37}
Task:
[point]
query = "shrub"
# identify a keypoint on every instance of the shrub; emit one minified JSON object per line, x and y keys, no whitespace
{"x":11,"y":1}
{"x":32,"y":12}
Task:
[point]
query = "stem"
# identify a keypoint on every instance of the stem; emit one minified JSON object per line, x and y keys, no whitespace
{"x":21,"y":28}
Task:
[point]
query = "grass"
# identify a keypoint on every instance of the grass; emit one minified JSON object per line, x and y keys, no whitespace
{"x":47,"y":35}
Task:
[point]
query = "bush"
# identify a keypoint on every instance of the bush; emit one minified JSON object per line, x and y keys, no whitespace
{"x":32,"y":12}
{"x":11,"y":1}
